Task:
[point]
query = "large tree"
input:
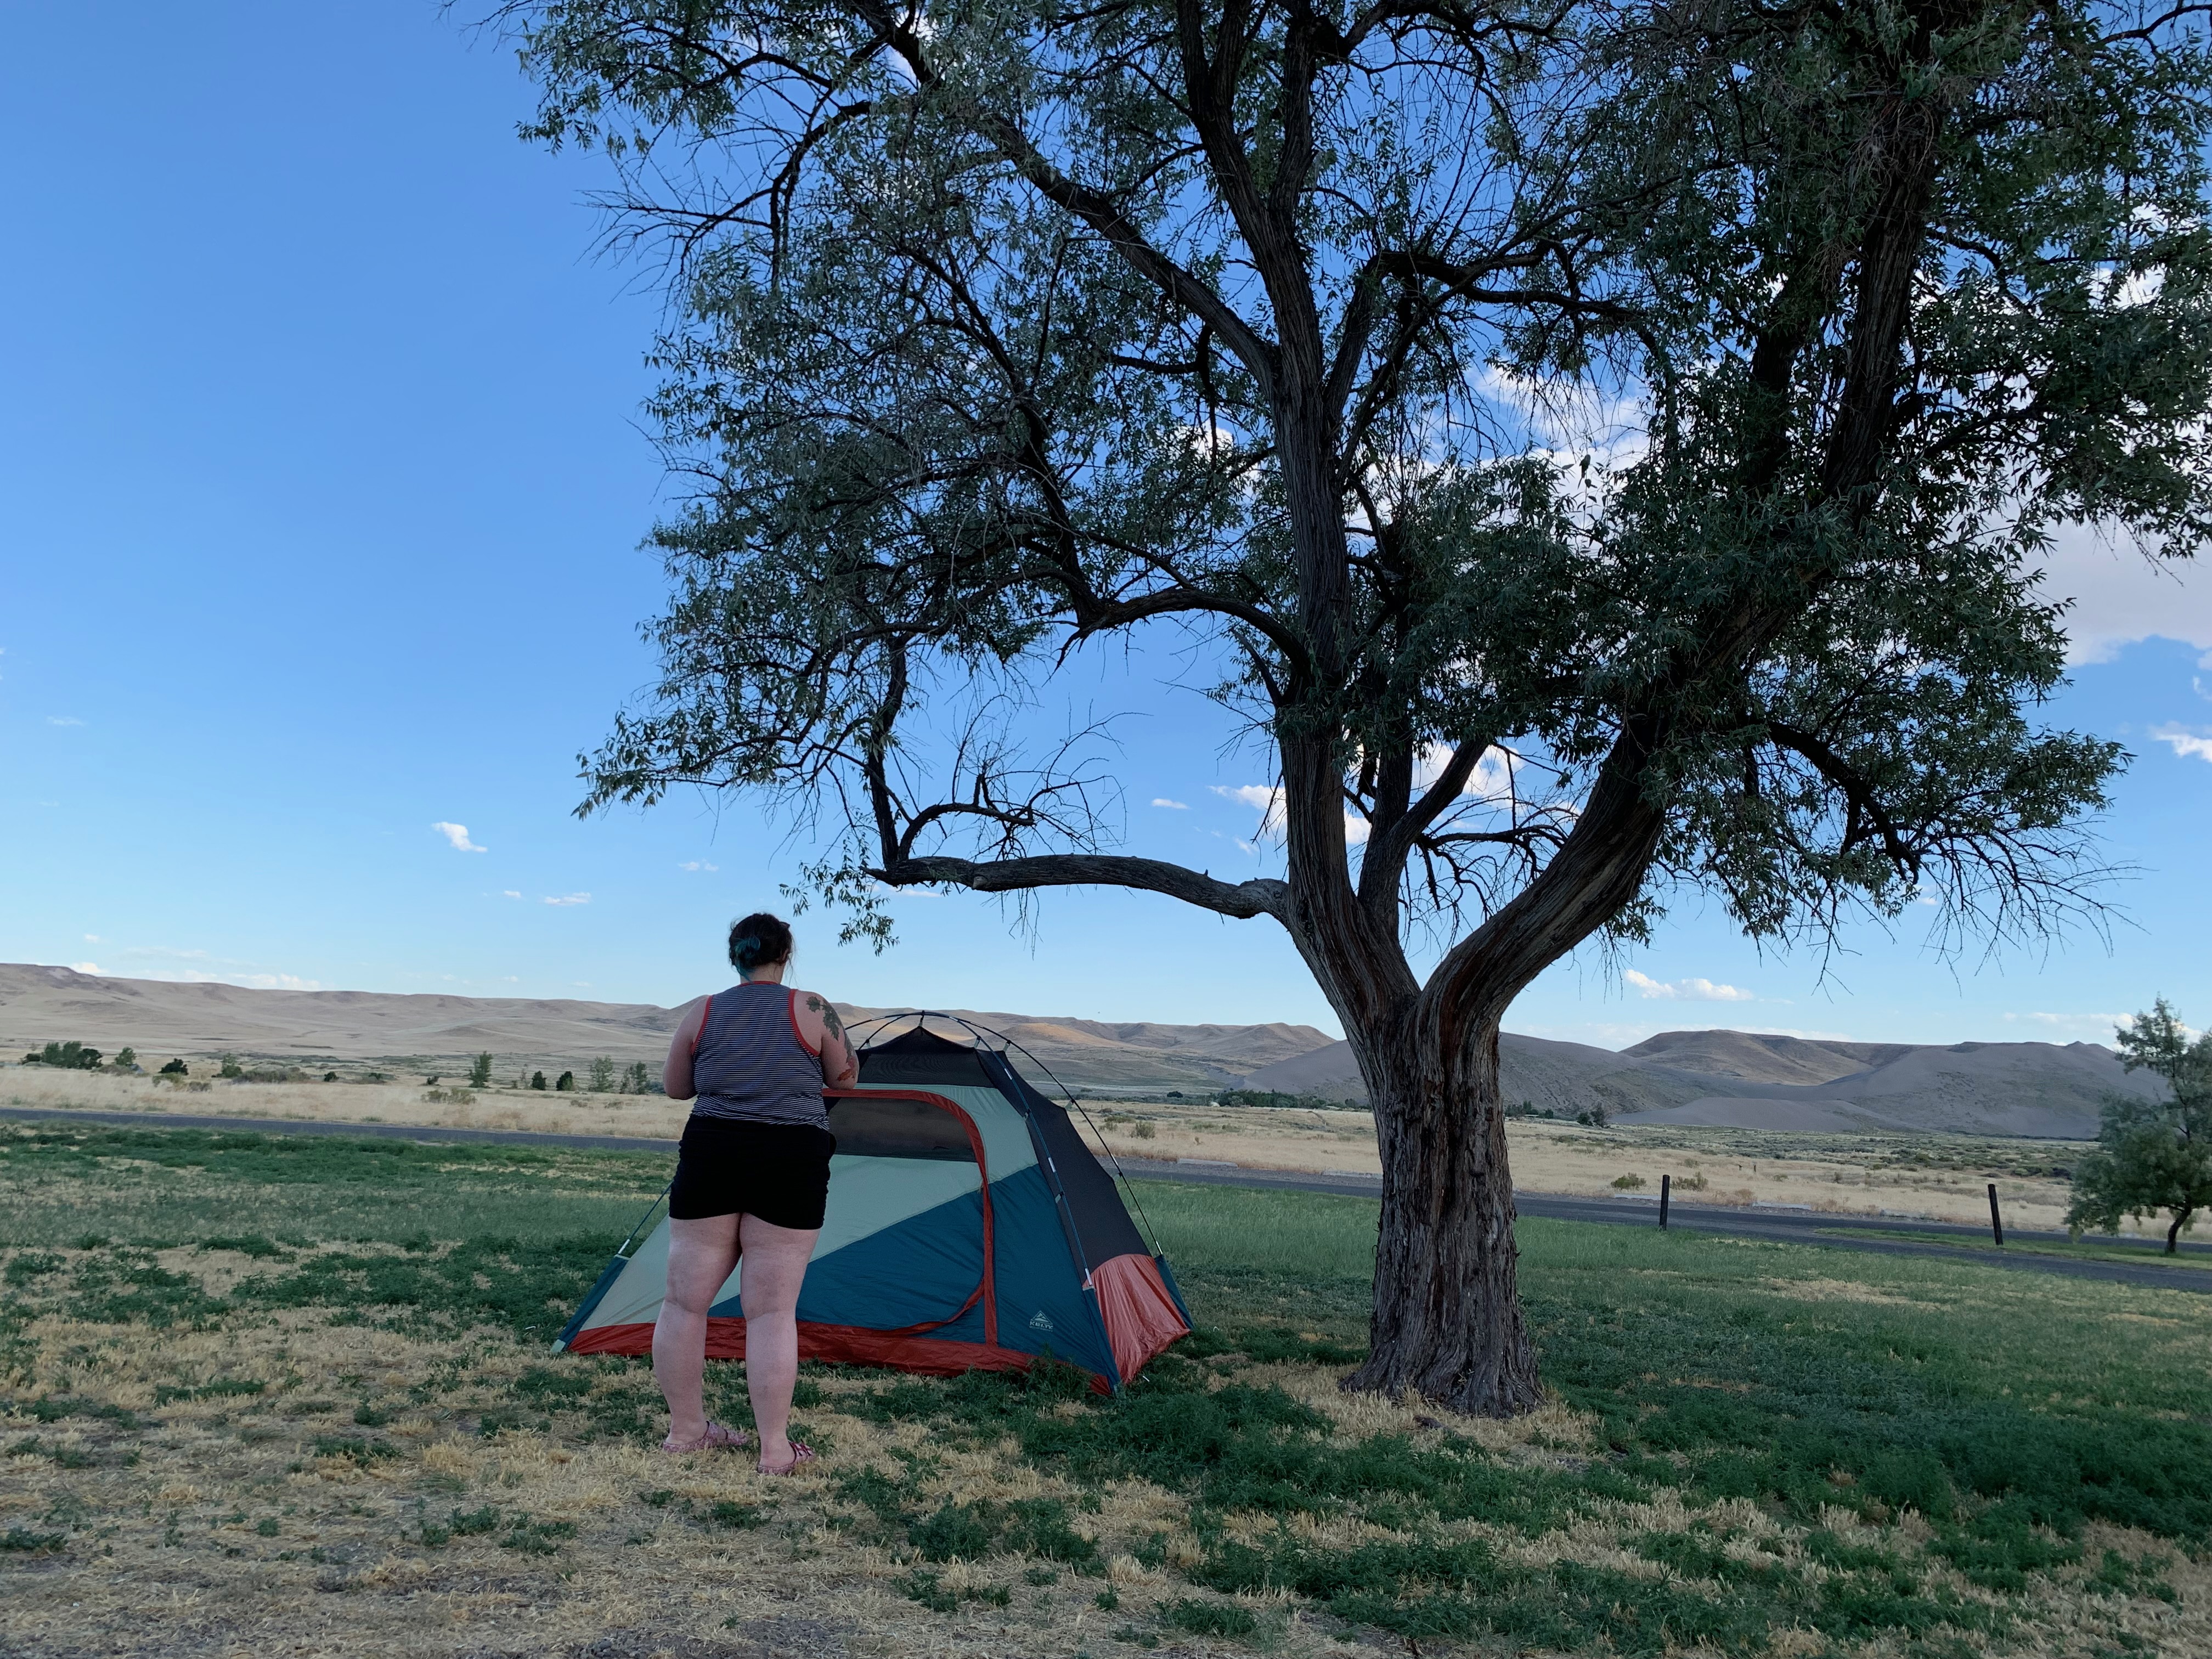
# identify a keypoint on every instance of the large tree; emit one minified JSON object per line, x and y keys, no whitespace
{"x":1602,"y":449}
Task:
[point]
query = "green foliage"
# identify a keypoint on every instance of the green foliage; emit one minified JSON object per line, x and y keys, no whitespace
{"x":2152,"y":1155}
{"x":71,"y":1056}
{"x":229,"y":1066}
{"x":1277,"y":1097}
{"x":1209,"y":1618}
{"x":126,"y":1058}
{"x":566,"y":1083}
{"x":175,"y":1068}
{"x":640,"y":1080}
{"x":480,"y":1072}
{"x":537,"y":1080}
{"x":603,"y":1076}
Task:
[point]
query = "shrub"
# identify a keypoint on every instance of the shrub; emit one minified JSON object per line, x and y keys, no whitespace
{"x":127,"y":1059}
{"x":67,"y":1056}
{"x":1277,"y":1097}
{"x":537,"y":1080}
{"x":1627,"y":1182}
{"x":480,"y":1072}
{"x":230,"y":1067}
{"x":175,"y":1068}
{"x":567,"y":1084}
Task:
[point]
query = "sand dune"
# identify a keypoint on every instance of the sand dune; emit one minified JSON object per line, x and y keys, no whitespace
{"x":39,"y":1005}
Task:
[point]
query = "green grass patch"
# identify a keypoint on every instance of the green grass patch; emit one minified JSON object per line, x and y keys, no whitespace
{"x":2089,"y":1247}
{"x":69,"y":1182}
{"x":2000,"y":1413}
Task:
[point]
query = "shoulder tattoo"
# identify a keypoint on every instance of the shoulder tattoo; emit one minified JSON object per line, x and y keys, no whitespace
{"x":829,"y":1015}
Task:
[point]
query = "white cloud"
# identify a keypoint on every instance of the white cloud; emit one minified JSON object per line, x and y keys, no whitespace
{"x":1491,"y":780}
{"x":1172,"y":806}
{"x":2121,"y":597}
{"x":458,"y":833}
{"x":85,"y":966}
{"x":64,"y":719}
{"x":508,"y":892}
{"x":699,"y":864}
{"x":92,"y":938}
{"x":570,"y":898}
{"x":2185,"y":743}
{"x":1686,"y":990}
{"x":219,"y":970}
{"x":1268,"y":802}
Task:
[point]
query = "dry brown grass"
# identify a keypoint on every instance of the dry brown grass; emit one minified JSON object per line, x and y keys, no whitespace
{"x":1547,"y":1157}
{"x":216,"y":1526}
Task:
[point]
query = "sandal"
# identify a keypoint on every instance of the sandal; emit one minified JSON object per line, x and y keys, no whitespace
{"x":800,"y":1453}
{"x":717,"y":1438}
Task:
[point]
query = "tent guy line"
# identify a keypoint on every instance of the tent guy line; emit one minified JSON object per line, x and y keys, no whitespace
{"x":1777,"y":1226}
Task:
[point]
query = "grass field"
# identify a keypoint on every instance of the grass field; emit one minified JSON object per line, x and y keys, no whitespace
{"x":1933,"y":1178}
{"x":291,"y":1395}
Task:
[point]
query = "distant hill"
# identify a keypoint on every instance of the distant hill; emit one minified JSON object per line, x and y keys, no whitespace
{"x":39,"y":1005}
{"x":1754,"y":1080}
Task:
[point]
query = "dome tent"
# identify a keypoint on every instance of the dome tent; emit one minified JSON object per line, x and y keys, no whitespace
{"x":969,"y":1228}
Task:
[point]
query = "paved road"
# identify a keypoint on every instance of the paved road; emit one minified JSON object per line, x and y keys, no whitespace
{"x":1780,"y":1226}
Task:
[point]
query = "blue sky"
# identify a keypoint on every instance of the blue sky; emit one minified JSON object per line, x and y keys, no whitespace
{"x":321,"y":479}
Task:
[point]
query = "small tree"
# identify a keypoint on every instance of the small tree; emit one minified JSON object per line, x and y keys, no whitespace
{"x":566,"y":1083}
{"x":480,"y":1072}
{"x":177,"y":1068}
{"x":638,"y":1080}
{"x":537,"y":1080}
{"x":229,"y":1066}
{"x":2151,"y":1155}
{"x":68,"y":1056}
{"x":603,"y":1075}
{"x":127,"y":1060}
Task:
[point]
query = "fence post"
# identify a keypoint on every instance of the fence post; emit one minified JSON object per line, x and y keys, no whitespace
{"x":1996,"y":1221}
{"x":1666,"y":1187}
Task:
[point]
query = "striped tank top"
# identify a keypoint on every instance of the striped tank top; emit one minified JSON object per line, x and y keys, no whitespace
{"x":750,"y":1064}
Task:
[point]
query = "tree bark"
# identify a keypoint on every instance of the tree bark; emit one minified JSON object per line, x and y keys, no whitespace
{"x":1447,"y":1323}
{"x":2174,"y":1233}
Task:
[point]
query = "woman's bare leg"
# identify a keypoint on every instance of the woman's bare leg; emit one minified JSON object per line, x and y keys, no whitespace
{"x":700,"y":1257}
{"x":775,"y":1267}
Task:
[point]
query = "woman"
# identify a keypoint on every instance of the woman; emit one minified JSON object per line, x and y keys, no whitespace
{"x":751,"y":1181}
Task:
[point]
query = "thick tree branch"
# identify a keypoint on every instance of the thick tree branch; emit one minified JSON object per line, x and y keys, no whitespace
{"x":1242,"y":900}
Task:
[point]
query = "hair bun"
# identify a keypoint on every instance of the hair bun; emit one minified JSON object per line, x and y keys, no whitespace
{"x":758,"y":941}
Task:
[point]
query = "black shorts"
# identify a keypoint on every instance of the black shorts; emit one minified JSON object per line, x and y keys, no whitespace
{"x":777,"y":1171}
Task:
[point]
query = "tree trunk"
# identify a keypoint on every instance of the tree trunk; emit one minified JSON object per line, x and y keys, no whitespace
{"x":1447,"y":1321}
{"x":2174,"y":1233}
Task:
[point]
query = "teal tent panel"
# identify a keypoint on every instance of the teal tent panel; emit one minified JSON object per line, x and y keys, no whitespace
{"x":1007,"y":1148}
{"x":1041,"y":1301}
{"x":868,"y":1195}
{"x":918,"y":1271}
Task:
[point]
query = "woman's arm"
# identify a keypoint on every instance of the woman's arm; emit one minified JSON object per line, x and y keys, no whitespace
{"x":676,"y":1070}
{"x":841,"y":1067}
